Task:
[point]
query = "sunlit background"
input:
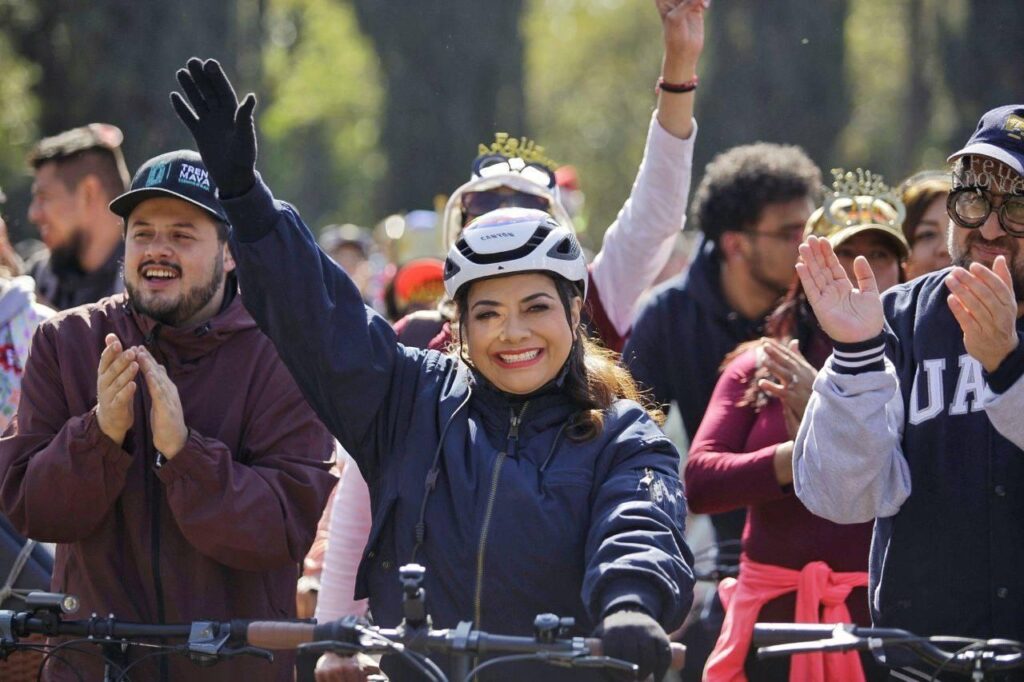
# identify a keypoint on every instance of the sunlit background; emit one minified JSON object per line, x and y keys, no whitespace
{"x":375,"y":107}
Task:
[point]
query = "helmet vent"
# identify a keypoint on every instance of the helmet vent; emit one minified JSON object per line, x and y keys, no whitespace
{"x":535,"y":240}
{"x":567,"y":249}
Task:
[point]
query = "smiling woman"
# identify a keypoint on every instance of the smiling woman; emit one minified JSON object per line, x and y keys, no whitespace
{"x":520,"y":475}
{"x":519,"y":279}
{"x":549,"y":487}
{"x":517,"y":331}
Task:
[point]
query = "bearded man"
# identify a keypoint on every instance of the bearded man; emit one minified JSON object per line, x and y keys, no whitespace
{"x":161,"y":442}
{"x":915,"y":421}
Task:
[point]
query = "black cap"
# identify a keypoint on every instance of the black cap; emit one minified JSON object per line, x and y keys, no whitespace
{"x":181,"y":175}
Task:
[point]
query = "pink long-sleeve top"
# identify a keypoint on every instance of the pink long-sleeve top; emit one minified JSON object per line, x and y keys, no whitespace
{"x":731,"y":466}
{"x":347,"y":532}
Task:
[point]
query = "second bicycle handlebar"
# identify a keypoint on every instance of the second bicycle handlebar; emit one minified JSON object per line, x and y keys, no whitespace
{"x":282,"y":635}
{"x":786,"y":639}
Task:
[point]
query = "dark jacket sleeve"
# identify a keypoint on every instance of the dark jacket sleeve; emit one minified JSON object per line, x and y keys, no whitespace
{"x":720,"y":474}
{"x":257,"y":510}
{"x":644,"y":354}
{"x":61,"y":473}
{"x":636,"y":552}
{"x":345,"y":358}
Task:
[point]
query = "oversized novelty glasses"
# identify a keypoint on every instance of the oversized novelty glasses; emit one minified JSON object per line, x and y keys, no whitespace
{"x":475,"y":204}
{"x":970,"y":207}
{"x":495,"y":164}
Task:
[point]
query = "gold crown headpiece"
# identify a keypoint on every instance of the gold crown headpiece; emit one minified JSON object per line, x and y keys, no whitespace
{"x":862,"y":198}
{"x":517,"y":147}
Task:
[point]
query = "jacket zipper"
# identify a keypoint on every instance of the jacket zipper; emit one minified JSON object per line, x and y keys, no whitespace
{"x":156,"y":498}
{"x":513,"y":440}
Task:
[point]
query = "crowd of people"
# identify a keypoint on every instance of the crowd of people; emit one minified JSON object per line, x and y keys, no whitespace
{"x":216,"y":412}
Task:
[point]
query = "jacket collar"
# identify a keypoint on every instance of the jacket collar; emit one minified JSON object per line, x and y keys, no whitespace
{"x":547,"y":406}
{"x":703,"y":281}
{"x":184,"y":346}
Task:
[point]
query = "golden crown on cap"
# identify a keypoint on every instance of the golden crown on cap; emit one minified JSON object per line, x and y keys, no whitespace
{"x":861,"y":197}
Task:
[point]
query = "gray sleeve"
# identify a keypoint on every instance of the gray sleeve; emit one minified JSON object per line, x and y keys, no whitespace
{"x":1004,"y":411}
{"x":848,"y":466}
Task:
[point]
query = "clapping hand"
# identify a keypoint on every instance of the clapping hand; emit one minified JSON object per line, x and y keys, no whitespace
{"x":166,"y":417}
{"x":845,"y":313}
{"x":984,"y":303}
{"x":115,"y":389}
{"x":794,"y":377}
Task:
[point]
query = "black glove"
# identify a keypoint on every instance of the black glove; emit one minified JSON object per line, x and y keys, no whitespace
{"x":223,"y":129}
{"x":636,"y":637}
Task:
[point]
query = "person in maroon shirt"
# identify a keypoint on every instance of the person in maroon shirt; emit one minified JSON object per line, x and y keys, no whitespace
{"x":741,"y":455}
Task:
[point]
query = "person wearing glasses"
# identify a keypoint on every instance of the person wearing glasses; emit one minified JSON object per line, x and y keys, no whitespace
{"x":751,"y":207}
{"x":915,"y":421}
{"x":515,"y":172}
{"x":793,"y":565}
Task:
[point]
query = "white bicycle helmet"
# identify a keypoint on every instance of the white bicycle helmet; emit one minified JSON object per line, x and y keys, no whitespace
{"x":514,"y":240}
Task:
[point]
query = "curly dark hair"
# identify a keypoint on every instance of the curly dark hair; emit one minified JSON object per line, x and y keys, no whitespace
{"x":740,"y":182}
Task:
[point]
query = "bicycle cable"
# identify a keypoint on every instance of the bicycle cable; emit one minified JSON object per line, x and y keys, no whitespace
{"x":163,"y":651}
{"x":70,"y":646}
{"x":499,"y":660}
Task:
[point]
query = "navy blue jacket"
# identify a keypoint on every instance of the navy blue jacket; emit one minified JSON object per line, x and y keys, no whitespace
{"x":950,"y":561}
{"x":521,"y":520}
{"x":678,"y":343}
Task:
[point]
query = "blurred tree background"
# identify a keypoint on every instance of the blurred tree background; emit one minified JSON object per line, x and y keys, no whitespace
{"x":369,"y":107}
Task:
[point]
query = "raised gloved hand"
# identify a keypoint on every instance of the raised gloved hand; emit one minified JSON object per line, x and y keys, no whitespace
{"x":636,"y":637}
{"x":223,"y":129}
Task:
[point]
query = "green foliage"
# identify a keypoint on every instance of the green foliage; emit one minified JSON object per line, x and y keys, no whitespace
{"x":880,"y":67}
{"x":916,"y":74}
{"x":874,"y":35}
{"x":321,"y":127}
{"x":591,"y":69}
{"x":17,"y":124}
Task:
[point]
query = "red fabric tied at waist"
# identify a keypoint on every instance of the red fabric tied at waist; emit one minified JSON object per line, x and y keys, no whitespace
{"x":818,"y":590}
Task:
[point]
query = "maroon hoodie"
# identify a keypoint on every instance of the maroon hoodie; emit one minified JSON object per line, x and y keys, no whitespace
{"x":216,"y":533}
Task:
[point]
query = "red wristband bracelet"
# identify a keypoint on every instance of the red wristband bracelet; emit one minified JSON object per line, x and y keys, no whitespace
{"x":688,"y":86}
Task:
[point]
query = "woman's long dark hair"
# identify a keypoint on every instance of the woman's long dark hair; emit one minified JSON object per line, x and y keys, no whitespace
{"x":594,"y":378}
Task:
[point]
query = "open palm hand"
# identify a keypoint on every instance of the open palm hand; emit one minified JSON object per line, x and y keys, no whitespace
{"x":847,"y":314}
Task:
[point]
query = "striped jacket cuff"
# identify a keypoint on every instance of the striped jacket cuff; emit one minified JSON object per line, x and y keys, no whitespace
{"x":863,"y":356}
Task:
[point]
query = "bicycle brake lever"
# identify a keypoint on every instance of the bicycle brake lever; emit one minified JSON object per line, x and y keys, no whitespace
{"x":334,"y":647}
{"x":248,"y":651}
{"x":205,"y":659}
{"x":578,"y":661}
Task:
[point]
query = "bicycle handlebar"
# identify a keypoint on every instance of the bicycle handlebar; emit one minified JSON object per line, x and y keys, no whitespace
{"x":98,"y":629}
{"x":276,"y":635}
{"x":785,"y":639}
{"x":211,"y":639}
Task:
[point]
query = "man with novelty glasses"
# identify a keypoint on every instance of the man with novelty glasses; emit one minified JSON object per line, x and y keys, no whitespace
{"x":915,"y":419}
